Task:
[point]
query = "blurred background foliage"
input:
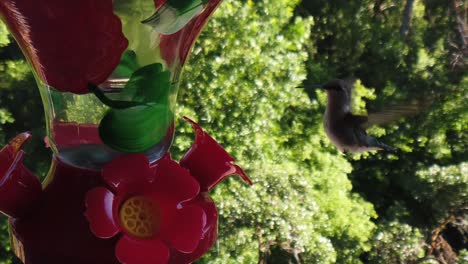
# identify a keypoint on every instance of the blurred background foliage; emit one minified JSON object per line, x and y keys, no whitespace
{"x":310,"y":203}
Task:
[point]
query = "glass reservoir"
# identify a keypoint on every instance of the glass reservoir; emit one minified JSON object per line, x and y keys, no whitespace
{"x":73,"y":129}
{"x":132,"y":111}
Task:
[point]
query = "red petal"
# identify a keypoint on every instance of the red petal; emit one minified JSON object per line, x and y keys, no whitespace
{"x":137,"y":251}
{"x":210,"y":231}
{"x":173,"y":182}
{"x":69,"y":43}
{"x":126,"y":171}
{"x":9,"y":154}
{"x":100,"y":204}
{"x":19,"y":188}
{"x":18,"y":142}
{"x":208,"y":162}
{"x":186,"y":229}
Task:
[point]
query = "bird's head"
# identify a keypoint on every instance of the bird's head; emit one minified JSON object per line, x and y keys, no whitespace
{"x":335,"y":85}
{"x":338,"y":93}
{"x":339,"y":88}
{"x":335,"y":88}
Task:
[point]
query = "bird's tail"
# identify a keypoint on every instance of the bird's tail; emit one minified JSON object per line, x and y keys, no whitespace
{"x":373,"y":142}
{"x":387,"y":148}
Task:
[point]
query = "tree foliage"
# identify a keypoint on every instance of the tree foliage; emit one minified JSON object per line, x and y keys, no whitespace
{"x":247,"y":99}
{"x":419,"y":189}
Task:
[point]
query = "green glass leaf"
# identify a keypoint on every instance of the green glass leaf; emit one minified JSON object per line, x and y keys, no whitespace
{"x":128,"y":64}
{"x":148,"y":84}
{"x":135,"y":129}
{"x":142,"y":116}
{"x":174,"y":15}
{"x":183,"y":5}
{"x":115,"y":104}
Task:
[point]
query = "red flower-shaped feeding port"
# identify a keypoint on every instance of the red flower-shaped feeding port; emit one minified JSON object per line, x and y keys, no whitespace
{"x":208,"y":162}
{"x":148,"y":206}
{"x":159,"y":210}
{"x":19,"y":188}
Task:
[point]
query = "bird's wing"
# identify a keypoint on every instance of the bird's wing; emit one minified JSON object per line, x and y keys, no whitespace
{"x":355,"y":119}
{"x":387,"y":114}
{"x":393,"y":113}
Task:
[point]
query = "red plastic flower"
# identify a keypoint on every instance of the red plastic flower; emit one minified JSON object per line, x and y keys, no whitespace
{"x":19,"y":188}
{"x":149,"y":207}
{"x":159,"y":210}
{"x":69,"y":43}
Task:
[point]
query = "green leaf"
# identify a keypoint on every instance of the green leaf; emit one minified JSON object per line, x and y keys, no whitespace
{"x":4,"y":40}
{"x":5,"y":116}
{"x":135,"y":129}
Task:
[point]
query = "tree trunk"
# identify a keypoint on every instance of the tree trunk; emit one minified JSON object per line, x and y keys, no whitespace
{"x":407,"y":14}
{"x":460,"y":12}
{"x":460,"y":52}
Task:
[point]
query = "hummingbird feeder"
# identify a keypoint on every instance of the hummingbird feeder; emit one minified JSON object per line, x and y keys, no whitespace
{"x":108,"y":72}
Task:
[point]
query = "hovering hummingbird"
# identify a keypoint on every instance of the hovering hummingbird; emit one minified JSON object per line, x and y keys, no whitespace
{"x":346,"y":130}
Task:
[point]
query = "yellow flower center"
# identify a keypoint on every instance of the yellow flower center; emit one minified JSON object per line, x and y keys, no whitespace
{"x":139,"y":217}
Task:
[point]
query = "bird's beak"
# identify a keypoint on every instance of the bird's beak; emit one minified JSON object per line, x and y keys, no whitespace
{"x":311,"y":86}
